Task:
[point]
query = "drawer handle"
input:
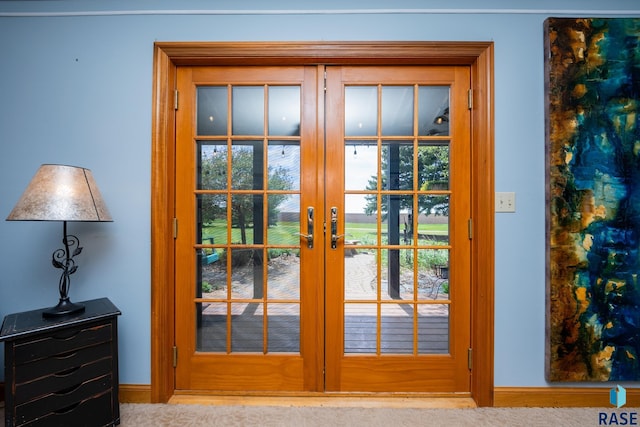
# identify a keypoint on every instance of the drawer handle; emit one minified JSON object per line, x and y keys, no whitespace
{"x":65,"y":355}
{"x":66,"y":372}
{"x":64,"y":337}
{"x":68,"y":390}
{"x":67,"y":409}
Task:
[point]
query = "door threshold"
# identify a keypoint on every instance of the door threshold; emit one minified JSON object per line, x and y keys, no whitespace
{"x":336,"y":400}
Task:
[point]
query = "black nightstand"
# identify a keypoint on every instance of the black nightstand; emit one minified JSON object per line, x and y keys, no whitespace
{"x":62,"y":372}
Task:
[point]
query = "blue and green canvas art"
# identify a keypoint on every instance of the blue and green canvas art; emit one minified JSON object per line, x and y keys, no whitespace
{"x":592,"y":70}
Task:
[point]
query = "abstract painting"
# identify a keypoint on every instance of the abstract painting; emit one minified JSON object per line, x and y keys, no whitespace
{"x":592,"y":88}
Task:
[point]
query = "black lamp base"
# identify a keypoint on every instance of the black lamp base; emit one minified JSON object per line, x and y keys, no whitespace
{"x":64,"y":308}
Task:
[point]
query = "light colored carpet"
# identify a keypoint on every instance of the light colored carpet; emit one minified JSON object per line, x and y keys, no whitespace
{"x":187,"y":415}
{"x":160,"y":415}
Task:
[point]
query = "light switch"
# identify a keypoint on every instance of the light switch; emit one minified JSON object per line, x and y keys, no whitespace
{"x":505,"y":202}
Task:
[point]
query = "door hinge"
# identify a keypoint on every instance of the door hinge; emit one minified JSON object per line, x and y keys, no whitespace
{"x":470,"y":359}
{"x":470,"y":228}
{"x":470,"y":99}
{"x":325,"y":81}
{"x":175,"y":228}
{"x":175,"y":356}
{"x":175,"y":99}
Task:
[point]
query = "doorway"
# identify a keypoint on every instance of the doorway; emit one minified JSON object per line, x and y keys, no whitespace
{"x":297,"y":279}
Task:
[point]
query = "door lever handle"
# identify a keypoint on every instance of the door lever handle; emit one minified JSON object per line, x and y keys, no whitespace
{"x":309,"y":238}
{"x":309,"y":235}
{"x":334,"y":240}
{"x":334,"y":228}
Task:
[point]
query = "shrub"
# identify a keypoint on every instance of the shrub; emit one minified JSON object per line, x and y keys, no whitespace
{"x":206,"y":287}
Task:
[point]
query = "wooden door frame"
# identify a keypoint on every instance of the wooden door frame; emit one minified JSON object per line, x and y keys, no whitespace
{"x":169,"y":55}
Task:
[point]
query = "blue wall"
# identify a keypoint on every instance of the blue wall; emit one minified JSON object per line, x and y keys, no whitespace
{"x":75,"y":88}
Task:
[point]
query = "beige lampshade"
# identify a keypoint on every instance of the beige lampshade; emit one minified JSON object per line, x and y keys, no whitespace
{"x":61,"y":193}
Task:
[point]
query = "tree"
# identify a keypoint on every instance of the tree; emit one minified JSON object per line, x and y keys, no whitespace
{"x":246,"y":174}
{"x":433,"y":174}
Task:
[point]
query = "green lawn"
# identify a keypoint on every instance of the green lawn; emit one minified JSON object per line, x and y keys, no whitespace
{"x":286,"y":233}
{"x":366,"y":233}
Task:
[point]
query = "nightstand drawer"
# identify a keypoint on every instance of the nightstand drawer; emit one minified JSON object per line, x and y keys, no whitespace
{"x":61,"y":362}
{"x":62,"y":342}
{"x":63,"y":382}
{"x":73,"y":409}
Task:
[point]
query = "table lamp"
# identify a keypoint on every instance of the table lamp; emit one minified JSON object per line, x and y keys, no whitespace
{"x":62,"y":193}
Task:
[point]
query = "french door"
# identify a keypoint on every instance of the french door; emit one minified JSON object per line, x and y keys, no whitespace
{"x":322,"y":229}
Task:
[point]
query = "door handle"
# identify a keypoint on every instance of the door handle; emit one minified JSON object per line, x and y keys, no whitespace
{"x":334,"y":228}
{"x":309,"y":235}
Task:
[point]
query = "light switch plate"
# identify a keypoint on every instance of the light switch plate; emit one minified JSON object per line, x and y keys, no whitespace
{"x":505,"y":202}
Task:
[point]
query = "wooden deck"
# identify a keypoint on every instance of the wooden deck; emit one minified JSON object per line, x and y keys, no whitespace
{"x":360,"y":334}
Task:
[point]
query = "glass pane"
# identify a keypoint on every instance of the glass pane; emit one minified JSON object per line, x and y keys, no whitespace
{"x":433,"y":166}
{"x":360,"y":110}
{"x":212,"y":272}
{"x":212,"y":110}
{"x":433,"y":227}
{"x":212,"y":165}
{"x":396,"y":329}
{"x":398,"y":219}
{"x":247,"y":328}
{"x":284,"y":165}
{"x":284,"y":220}
{"x":433,"y":110}
{"x":433,"y":274}
{"x":211,"y":324}
{"x":360,"y":328}
{"x":247,"y":164}
{"x":248,"y":110}
{"x":360,"y":218}
{"x":247,"y":219}
{"x":433,"y":329}
{"x":284,"y":328}
{"x":360,"y":274}
{"x":397,"y":110}
{"x":360,"y":212}
{"x":284,"y":274}
{"x":397,"y":274}
{"x":284,"y":110}
{"x":360,"y":165}
{"x":397,"y":165}
{"x":212,"y":218}
{"x":246,"y":274}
